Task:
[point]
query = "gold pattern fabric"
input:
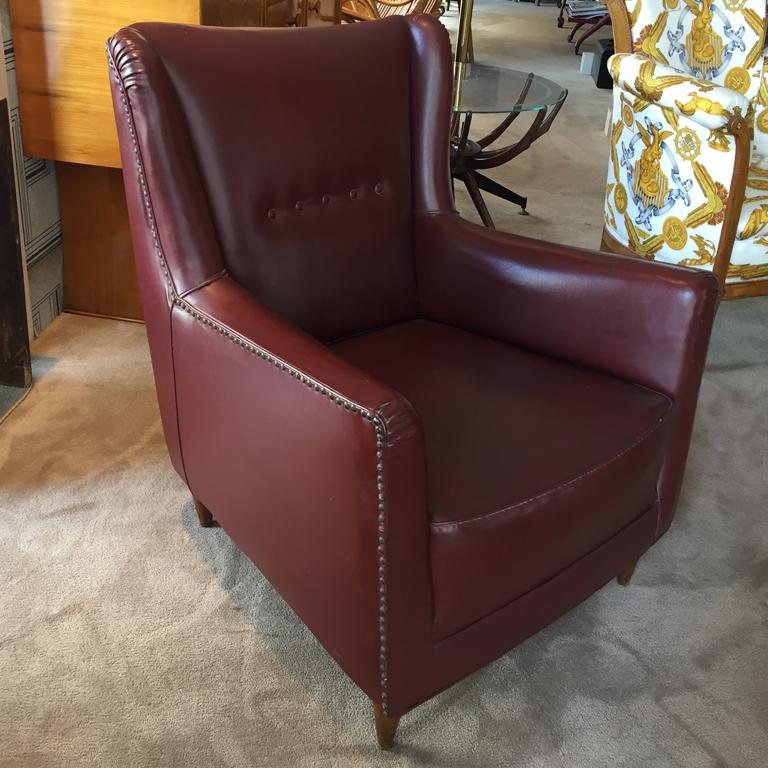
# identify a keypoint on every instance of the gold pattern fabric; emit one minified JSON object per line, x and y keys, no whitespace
{"x":738,"y":79}
{"x":646,"y":81}
{"x":760,"y":103}
{"x":749,"y":258}
{"x":695,"y":65}
{"x":706,"y":39}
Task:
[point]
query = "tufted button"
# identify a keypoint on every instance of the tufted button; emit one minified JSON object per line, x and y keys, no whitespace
{"x":352,"y":194}
{"x":271,"y":213}
{"x":379,"y":188}
{"x":299,"y":206}
{"x":325,"y":199}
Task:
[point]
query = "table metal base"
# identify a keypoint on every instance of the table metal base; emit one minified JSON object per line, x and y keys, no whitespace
{"x":476,"y":182}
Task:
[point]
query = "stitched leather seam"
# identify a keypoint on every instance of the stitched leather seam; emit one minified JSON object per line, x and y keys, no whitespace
{"x":431,"y":213}
{"x":446,"y":638}
{"x":153,"y":229}
{"x":352,"y":407}
{"x":480,"y":518}
{"x":348,"y":405}
{"x":149,"y":209}
{"x":218,"y":276}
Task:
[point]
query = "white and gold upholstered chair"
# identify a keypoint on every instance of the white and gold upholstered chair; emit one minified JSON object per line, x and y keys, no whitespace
{"x":688,"y":171}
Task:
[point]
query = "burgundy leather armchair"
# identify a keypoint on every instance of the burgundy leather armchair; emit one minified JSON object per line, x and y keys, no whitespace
{"x":432,"y":438}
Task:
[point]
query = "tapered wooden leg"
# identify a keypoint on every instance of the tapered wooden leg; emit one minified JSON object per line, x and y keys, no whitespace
{"x":386,"y":727}
{"x":205,"y":517}
{"x":626,"y":576}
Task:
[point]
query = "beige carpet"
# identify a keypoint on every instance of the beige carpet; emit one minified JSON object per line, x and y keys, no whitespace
{"x":130,"y":637}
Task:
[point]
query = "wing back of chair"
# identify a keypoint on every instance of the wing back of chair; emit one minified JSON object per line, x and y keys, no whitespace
{"x":314,"y":223}
{"x":716,"y":40}
{"x":306,"y":201}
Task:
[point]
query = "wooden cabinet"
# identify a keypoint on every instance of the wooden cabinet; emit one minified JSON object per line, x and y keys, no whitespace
{"x":62,"y":73}
{"x":66,"y":112}
{"x":245,"y":13}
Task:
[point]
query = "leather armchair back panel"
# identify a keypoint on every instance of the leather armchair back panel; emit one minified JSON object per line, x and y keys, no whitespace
{"x":313,"y":218}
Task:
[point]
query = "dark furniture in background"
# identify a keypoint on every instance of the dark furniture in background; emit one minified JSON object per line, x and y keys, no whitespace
{"x":600,"y":73}
{"x":15,"y":358}
{"x":588,"y":24}
{"x":432,"y":438}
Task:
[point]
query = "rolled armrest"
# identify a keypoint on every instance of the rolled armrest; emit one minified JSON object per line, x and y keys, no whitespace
{"x":637,"y":320}
{"x":314,"y":469}
{"x":712,"y":106}
{"x":293,"y":352}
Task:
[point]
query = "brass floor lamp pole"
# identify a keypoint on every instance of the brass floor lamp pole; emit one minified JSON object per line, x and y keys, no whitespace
{"x":464,"y":38}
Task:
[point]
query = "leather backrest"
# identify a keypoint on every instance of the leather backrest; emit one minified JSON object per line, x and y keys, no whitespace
{"x":302,"y":142}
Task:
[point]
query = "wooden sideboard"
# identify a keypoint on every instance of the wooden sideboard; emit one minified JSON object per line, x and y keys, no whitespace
{"x":66,"y":112}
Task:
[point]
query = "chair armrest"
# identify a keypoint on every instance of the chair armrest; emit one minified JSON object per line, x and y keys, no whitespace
{"x":313,"y":468}
{"x":638,"y":320}
{"x":644,"y":322}
{"x":290,"y":350}
{"x":711,"y":106}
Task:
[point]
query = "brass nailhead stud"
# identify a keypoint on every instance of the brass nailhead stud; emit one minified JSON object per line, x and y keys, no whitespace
{"x":325,"y":199}
{"x":271,"y":213}
{"x":379,"y":188}
{"x":352,"y":193}
{"x":299,"y":205}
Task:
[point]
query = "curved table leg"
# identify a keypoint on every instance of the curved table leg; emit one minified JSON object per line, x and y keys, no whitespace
{"x":473,"y":187}
{"x":591,"y":31}
{"x":576,"y":27}
{"x":561,"y":15}
{"x":497,"y":132}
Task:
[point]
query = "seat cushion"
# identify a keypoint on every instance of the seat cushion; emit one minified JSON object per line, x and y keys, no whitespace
{"x":531,"y":462}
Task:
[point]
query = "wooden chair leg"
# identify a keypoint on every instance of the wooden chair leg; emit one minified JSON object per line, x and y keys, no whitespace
{"x":591,"y":31}
{"x":205,"y":517}
{"x":626,"y":576}
{"x":386,"y":727}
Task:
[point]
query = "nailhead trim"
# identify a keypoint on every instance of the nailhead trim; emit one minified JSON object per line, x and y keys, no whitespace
{"x":348,"y":405}
{"x":140,"y":170}
{"x":378,"y":426}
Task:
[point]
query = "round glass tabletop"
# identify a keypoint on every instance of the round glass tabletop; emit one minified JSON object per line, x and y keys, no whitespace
{"x":484,"y":88}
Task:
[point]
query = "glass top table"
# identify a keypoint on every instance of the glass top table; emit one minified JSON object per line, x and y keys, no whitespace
{"x":482,"y":88}
{"x":486,"y":89}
